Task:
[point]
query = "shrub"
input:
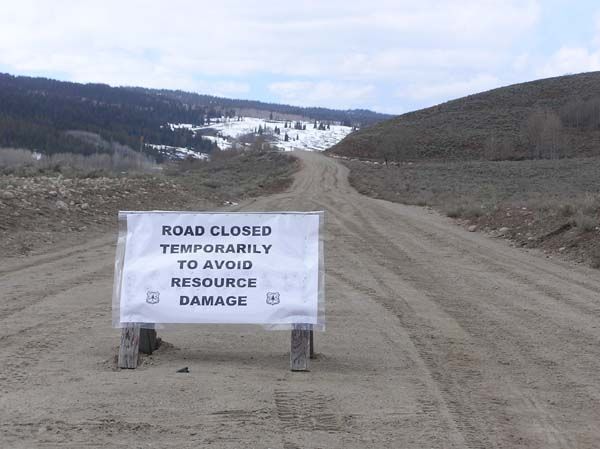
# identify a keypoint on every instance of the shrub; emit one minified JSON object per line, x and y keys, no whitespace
{"x":595,"y":257}
{"x":584,"y":223}
{"x":11,"y":157}
{"x":589,"y":204}
{"x":122,"y":159}
{"x":566,"y":210}
{"x":462,"y":210}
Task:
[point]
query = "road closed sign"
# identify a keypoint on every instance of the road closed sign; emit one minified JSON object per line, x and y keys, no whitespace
{"x":245,"y":268}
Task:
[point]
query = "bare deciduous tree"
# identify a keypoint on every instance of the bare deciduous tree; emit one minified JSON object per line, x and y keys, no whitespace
{"x":581,"y":114}
{"x":542,"y":134}
{"x":499,"y":148}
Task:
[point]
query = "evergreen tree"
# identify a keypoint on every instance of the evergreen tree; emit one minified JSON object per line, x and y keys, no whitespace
{"x":38,"y":113}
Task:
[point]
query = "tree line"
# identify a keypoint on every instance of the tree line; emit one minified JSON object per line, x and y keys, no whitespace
{"x":37,"y":113}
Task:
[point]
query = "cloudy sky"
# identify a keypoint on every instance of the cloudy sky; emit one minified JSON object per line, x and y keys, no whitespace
{"x":390,"y":56}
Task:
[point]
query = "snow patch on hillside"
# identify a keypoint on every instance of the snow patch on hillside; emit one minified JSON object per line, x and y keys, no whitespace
{"x":227,"y":131}
{"x":175,"y":153}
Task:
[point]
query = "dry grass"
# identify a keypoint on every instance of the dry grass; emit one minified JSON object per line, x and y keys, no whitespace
{"x":462,"y":208}
{"x":26,"y":163}
{"x":553,"y":204}
{"x":566,"y":185}
{"x":233,"y":175}
{"x":585,"y":222}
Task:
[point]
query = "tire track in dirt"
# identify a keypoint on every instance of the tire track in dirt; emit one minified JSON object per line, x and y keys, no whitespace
{"x":358,"y":219}
{"x":38,"y":261}
{"x":13,"y":303}
{"x":424,"y":281}
{"x":436,"y":338}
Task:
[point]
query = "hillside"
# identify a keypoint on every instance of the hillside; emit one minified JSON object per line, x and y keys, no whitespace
{"x":283,"y":134}
{"x":259,"y":109}
{"x":40,"y":114}
{"x":498,"y":124}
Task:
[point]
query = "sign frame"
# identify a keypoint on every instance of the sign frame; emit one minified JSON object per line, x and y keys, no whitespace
{"x":120,"y":261}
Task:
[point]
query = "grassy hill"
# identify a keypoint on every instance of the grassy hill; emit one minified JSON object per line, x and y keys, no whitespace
{"x":514,"y":122}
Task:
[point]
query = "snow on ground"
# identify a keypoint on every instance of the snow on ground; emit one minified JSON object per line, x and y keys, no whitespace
{"x":177,"y":152}
{"x":311,"y":139}
{"x":222,"y":142}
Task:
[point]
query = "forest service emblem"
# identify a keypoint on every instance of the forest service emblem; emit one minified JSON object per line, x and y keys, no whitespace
{"x":273,"y":298}
{"x":152,"y":297}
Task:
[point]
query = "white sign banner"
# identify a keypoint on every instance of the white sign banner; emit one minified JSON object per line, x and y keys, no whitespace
{"x":246,"y":268}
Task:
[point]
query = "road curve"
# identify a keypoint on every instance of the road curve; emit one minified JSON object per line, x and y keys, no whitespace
{"x":436,"y":338}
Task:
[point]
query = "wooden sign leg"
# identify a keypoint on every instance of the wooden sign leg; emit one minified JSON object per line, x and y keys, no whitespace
{"x":129,"y":348}
{"x":148,"y":340}
{"x":300,"y":348}
{"x":312,"y":344}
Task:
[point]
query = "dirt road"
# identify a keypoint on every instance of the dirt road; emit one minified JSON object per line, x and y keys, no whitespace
{"x":436,"y":338}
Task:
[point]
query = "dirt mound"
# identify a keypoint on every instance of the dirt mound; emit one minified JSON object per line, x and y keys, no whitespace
{"x":41,"y":210}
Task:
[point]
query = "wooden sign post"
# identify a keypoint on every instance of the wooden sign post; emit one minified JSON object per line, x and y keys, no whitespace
{"x":148,"y":340}
{"x":130,"y":347}
{"x":133,"y":341}
{"x":300,"y":351}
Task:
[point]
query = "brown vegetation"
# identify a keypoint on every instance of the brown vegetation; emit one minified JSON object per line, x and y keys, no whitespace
{"x":553,"y":204}
{"x":26,"y":163}
{"x":549,"y":118}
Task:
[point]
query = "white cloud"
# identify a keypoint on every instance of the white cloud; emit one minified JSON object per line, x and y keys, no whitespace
{"x":571,"y":60}
{"x":449,"y":90}
{"x":229,"y":88}
{"x":322,"y":93}
{"x":235,"y":37}
{"x":355,"y":45}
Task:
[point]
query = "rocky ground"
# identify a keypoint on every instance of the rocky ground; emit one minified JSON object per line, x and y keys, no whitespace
{"x":44,"y":210}
{"x":556,"y":233}
{"x":53,"y":210}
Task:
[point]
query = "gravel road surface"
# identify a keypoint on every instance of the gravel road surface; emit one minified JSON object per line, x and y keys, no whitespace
{"x":436,"y":338}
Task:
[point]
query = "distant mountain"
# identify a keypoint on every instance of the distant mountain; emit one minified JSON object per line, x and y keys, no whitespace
{"x":38,"y":113}
{"x":553,"y":117}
